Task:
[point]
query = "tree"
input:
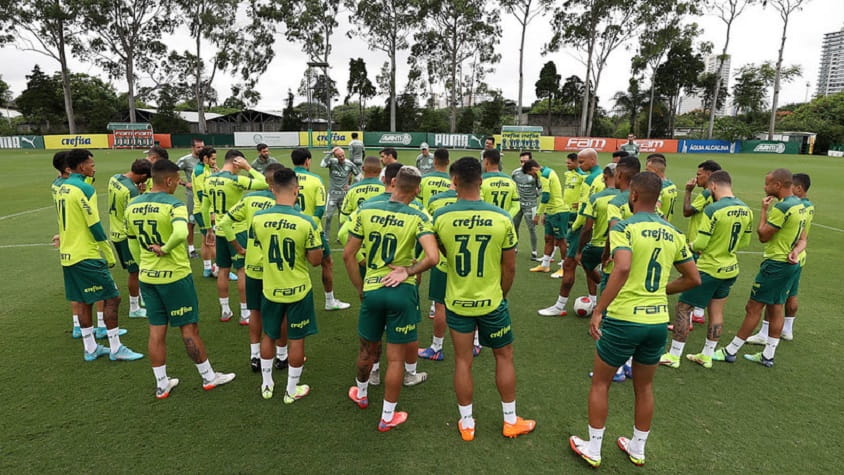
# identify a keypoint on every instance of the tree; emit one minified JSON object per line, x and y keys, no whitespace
{"x":712,"y":99}
{"x":823,"y":116}
{"x":631,"y":103}
{"x":492,"y":114}
{"x":290,"y":119}
{"x":548,"y":86}
{"x":785,"y":9}
{"x":166,"y":120}
{"x":570,"y":94}
{"x":732,"y":129}
{"x":681,"y":71}
{"x":459,"y":31}
{"x":466,"y":124}
{"x":360,"y":84}
{"x":525,"y":11}
{"x":5,"y":92}
{"x":39,"y":102}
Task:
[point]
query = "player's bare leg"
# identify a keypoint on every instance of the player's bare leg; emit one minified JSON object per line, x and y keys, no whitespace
{"x":255,"y":323}
{"x":368,"y":354}
{"x":713,"y":333}
{"x":296,"y":360}
{"x":505,"y":381}
{"x":195,"y":348}
{"x":545,"y":264}
{"x":643,"y":376}
{"x":135,"y":310}
{"x":680,"y":332}
{"x":599,"y":393}
{"x":566,"y":284}
{"x":791,"y":307}
{"x":223,"y":293}
{"x":753,"y":313}
{"x":241,"y":291}
{"x":411,"y":356}
{"x":281,"y":353}
{"x":331,"y":302}
{"x":396,"y":354}
{"x":157,"y":348}
{"x":464,"y":387}
{"x":434,"y":352}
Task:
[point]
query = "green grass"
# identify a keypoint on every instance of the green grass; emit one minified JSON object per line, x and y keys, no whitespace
{"x":59,"y":413}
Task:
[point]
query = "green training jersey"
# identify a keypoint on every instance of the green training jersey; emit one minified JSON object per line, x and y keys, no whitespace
{"x":810,"y":216}
{"x":473,"y":235}
{"x":630,"y":148}
{"x":571,"y":189}
{"x":432,"y":183}
{"x":360,"y":192}
{"x":284,"y":235}
{"x":500,"y":190}
{"x":80,"y":229}
{"x":656,"y":246}
{"x":529,"y":188}
{"x":200,"y":175}
{"x":596,"y":208}
{"x":789,"y":217}
{"x":311,"y":193}
{"x":667,"y":198}
{"x":120,"y":190}
{"x":390,"y":231}
{"x":261,"y":165}
{"x":700,"y":202}
{"x":151,"y":219}
{"x":357,"y":151}
{"x":243,"y":212}
{"x":593,"y":182}
{"x":55,"y":186}
{"x":726,"y":226}
{"x":222,"y":190}
{"x":618,"y":208}
{"x":425,"y":163}
{"x":551,"y":198}
{"x":446,"y":198}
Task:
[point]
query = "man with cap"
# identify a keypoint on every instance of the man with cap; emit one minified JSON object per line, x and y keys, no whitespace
{"x":425,"y":160}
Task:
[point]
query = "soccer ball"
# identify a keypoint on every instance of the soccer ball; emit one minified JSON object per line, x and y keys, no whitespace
{"x":583,"y":307}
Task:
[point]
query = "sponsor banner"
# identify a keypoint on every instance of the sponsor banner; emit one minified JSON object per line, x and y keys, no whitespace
{"x":76,"y":141}
{"x":163,"y":140}
{"x":652,"y":145}
{"x":520,"y":137}
{"x":320,"y":138}
{"x":576,"y":144}
{"x":466,"y":141}
{"x":22,"y":141}
{"x":765,"y":146}
{"x":394,"y":139}
{"x":273,"y":139}
{"x":707,"y":146}
{"x":546,"y":143}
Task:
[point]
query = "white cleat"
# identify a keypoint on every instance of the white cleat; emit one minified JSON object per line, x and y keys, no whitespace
{"x":553,"y":311}
{"x":757,"y":339}
{"x":336,"y":305}
{"x":219,"y":380}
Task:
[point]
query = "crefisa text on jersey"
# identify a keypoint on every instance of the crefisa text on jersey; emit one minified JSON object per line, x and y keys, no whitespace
{"x":471,"y":223}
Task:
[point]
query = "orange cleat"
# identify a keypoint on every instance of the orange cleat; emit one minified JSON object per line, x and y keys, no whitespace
{"x":466,"y":434}
{"x":521,"y":427}
{"x":398,"y":418}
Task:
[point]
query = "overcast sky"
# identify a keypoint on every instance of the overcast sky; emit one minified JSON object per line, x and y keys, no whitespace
{"x":756,"y":38}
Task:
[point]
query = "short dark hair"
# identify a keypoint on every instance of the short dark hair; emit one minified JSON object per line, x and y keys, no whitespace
{"x":269,"y":172}
{"x":628,"y":167}
{"x":160,"y":151}
{"x":408,"y":178}
{"x":60,"y":161}
{"x":620,"y":153}
{"x":571,"y":156}
{"x":609,"y":171}
{"x":709,"y":165}
{"x":648,"y":185}
{"x":390,"y":151}
{"x":493,"y":156}
{"x":657,"y":157}
{"x":489,"y":137}
{"x":441,"y":156}
{"x":802,"y":180}
{"x":261,"y":146}
{"x":162,"y":168}
{"x":721,"y":177}
{"x":300,"y":155}
{"x":142,"y":166}
{"x":354,"y":135}
{"x":233,"y":153}
{"x":468,"y":169}
{"x":390,"y":171}
{"x":206,"y":152}
{"x":529,"y":165}
{"x":194,"y":141}
{"x":285,"y":178}
{"x":77,"y":156}
{"x":526,"y":153}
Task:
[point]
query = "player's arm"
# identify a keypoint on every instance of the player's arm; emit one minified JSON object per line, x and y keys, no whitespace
{"x":92,"y":219}
{"x":350,"y":259}
{"x":747,"y":235}
{"x":225,"y":227}
{"x":319,"y":210}
{"x":515,"y":201}
{"x":508,"y":270}
{"x":326,"y":160}
{"x":178,"y":236}
{"x":799,"y":247}
{"x":685,"y":264}
{"x":255,"y":180}
{"x":704,"y":233}
{"x":769,"y":223}
{"x":688,"y":209}
{"x":622,"y":258}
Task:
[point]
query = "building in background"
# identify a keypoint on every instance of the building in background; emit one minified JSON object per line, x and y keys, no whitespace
{"x":693,"y":102}
{"x":831,"y":71}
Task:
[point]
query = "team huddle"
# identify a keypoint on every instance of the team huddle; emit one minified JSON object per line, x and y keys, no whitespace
{"x":264,"y":225}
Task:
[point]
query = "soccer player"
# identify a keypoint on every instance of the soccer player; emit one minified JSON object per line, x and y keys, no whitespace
{"x":693,"y":208}
{"x":370,"y":185}
{"x":288,"y":240}
{"x":388,"y":155}
{"x":479,"y":241}
{"x":156,"y":153}
{"x":356,"y":150}
{"x":206,"y":166}
{"x":222,"y":191}
{"x":341,"y":173}
{"x":554,"y":212}
{"x":593,"y":238}
{"x":631,"y":147}
{"x":86,"y":256}
{"x":424,"y":161}
{"x":263,"y":160}
{"x":726,"y":227}
{"x":498,"y":188}
{"x":121,"y":189}
{"x":668,"y":196}
{"x":156,"y":226}
{"x":529,"y":190}
{"x":782,"y":230}
{"x":489,"y":144}
{"x":800,"y":186}
{"x":311,"y":201}
{"x":187,"y":164}
{"x":631,"y":315}
{"x":436,"y":179}
{"x":243,"y":212}
{"x":389,"y":297}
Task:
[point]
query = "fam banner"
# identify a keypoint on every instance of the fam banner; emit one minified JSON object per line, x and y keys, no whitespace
{"x":320,"y":138}
{"x":22,"y":141}
{"x":652,"y":145}
{"x":394,"y":139}
{"x":272,"y":139}
{"x":76,"y":141}
{"x":576,"y":144}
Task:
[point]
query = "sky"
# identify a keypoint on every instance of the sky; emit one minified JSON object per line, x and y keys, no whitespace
{"x":756,"y":38}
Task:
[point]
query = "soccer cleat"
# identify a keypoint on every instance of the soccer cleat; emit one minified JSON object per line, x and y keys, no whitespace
{"x":267,"y":391}
{"x":520,"y":427}
{"x":219,"y":380}
{"x":232,"y":277}
{"x":139,"y":313}
{"x":302,"y":390}
{"x":362,"y":402}
{"x":617,"y":377}
{"x":244,"y":321}
{"x":412,"y":379}
{"x":540,"y":268}
{"x":757,"y":339}
{"x":627,"y":370}
{"x":165,"y":392}
{"x":466,"y":434}
{"x":670,"y":360}
{"x":787,"y":336}
{"x":336,"y":305}
{"x":399,"y":417}
{"x":430,"y":354}
{"x":194,"y":255}
{"x":476,"y":350}
{"x":215,"y":271}
{"x":280,"y":364}
{"x":534,"y":257}
{"x":432,"y":310}
{"x":255,"y":364}
{"x":124,"y":354}
{"x":552,"y":311}
{"x":101,"y":333}
{"x":374,"y":377}
{"x":99,"y":351}
{"x":578,"y":446}
{"x":701,"y":359}
{"x":760,"y":358}
{"x":671,"y":327}
{"x":207,"y":273}
{"x":558,"y":274}
{"x":624,"y":444}
{"x":699,"y":319}
{"x":76,"y":333}
{"x":722,"y":355}
{"x":226,"y":315}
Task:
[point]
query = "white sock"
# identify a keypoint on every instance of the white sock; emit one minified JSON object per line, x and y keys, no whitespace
{"x":244,"y":312}
{"x":191,"y":248}
{"x":281,"y":352}
{"x":637,"y":443}
{"x":561,"y":302}
{"x":677,"y":348}
{"x":134,"y":303}
{"x":596,"y":438}
{"x":546,"y":260}
{"x":114,"y":339}
{"x":709,"y":347}
{"x":735,"y":346}
{"x":224,"y":304}
{"x":205,"y":371}
{"x":477,"y":341}
{"x":410,"y":368}
{"x":788,"y":325}
{"x":329,"y":296}
{"x":76,"y":320}
{"x":437,"y":343}
{"x":160,"y":373}
{"x":466,"y":419}
{"x":206,"y":264}
{"x":254,"y":350}
{"x":267,"y":372}
{"x":363,"y":388}
{"x":509,"y":410}
{"x":293,"y":375}
{"x":376,"y":366}
{"x":88,"y":340}
{"x":100,"y":320}
{"x":770,"y":348}
{"x":388,"y":410}
{"x":593,"y":299}
{"x":764,"y":330}
{"x":553,"y":252}
{"x":697,"y":312}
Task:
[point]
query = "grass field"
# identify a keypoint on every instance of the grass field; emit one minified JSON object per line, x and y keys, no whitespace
{"x":62,"y":414}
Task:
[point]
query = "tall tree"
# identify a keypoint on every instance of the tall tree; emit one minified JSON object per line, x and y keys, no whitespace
{"x":570,"y":94}
{"x":290,"y":119}
{"x":460,"y":29}
{"x":681,"y":71}
{"x":727,"y":11}
{"x":360,"y":84}
{"x":631,"y":103}
{"x":750,"y":92}
{"x":524,"y":11}
{"x":548,"y":86}
{"x":785,"y":8}
{"x":39,"y":102}
{"x":382,"y":24}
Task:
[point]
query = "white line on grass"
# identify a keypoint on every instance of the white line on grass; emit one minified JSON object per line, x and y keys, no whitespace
{"x":13,"y":215}
{"x":828,"y":227}
{"x":9,"y":246}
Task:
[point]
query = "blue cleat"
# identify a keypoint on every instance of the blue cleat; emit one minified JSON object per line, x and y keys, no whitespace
{"x":232,"y":277}
{"x":617,"y":377}
{"x":760,"y":358}
{"x":430,"y":354}
{"x":139,"y":313}
{"x":102,"y":332}
{"x":627,"y":370}
{"x":77,"y":333}
{"x":476,"y":350}
{"x":721,"y":354}
{"x":207,"y":273}
{"x":124,"y":354}
{"x":99,"y":351}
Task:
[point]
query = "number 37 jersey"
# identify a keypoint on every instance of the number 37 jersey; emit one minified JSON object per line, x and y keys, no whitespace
{"x":149,"y":219}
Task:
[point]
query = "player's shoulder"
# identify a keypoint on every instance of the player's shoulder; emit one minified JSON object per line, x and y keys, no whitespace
{"x":606,"y":193}
{"x":478,"y":207}
{"x":808,"y":204}
{"x":259,"y":194}
{"x":620,"y":198}
{"x":788,"y":203}
{"x":78,"y":182}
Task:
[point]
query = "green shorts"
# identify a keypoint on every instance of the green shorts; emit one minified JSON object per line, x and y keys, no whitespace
{"x":301,"y":317}
{"x":591,"y":257}
{"x":573,"y":241}
{"x":792,"y":292}
{"x":436,"y":287}
{"x":227,"y":257}
{"x":124,"y":256}
{"x":710,"y":288}
{"x":774,"y":281}
{"x":89,"y":281}
{"x":254,"y":293}
{"x":396,"y":308}
{"x":326,"y":247}
{"x":605,"y":277}
{"x":494,"y":329}
{"x":174,"y":303}
{"x":621,"y":339}
{"x":557,"y":224}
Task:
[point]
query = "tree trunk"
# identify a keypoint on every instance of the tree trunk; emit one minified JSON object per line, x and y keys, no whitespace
{"x":200,"y":91}
{"x":651,"y":106}
{"x":521,"y":69}
{"x":593,"y":102}
{"x":775,"y":98}
{"x":549,"y":115}
{"x":393,"y":85}
{"x":453,"y":104}
{"x":130,"y":85}
{"x":68,"y":95}
{"x":717,"y":89}
{"x":584,"y":114}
